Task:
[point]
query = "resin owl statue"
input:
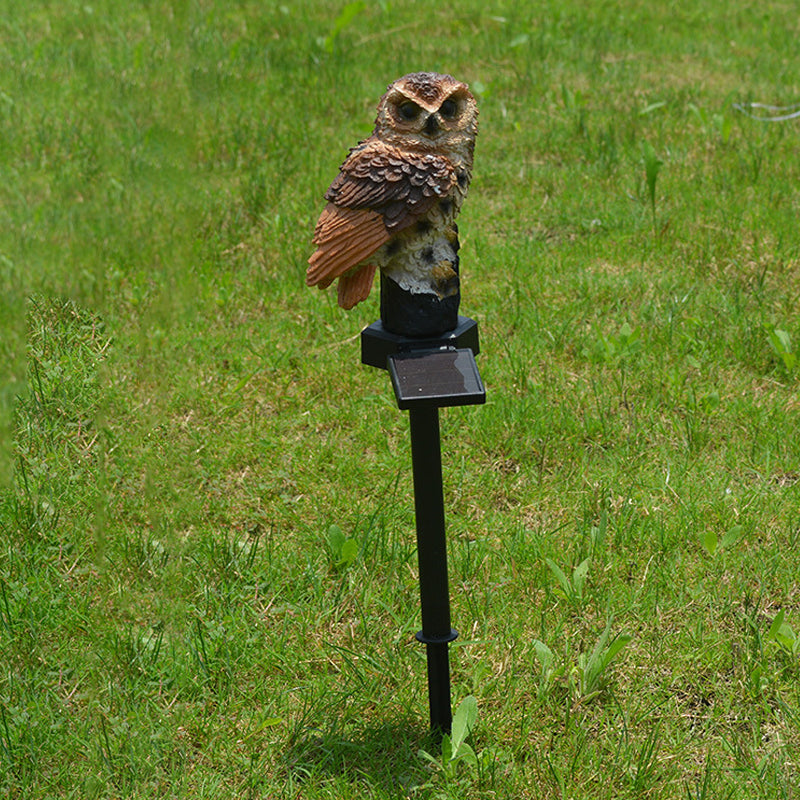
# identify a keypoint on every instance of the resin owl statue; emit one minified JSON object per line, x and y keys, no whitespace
{"x":394,"y":202}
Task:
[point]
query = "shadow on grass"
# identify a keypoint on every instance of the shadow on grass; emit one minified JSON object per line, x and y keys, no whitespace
{"x":383,"y":755}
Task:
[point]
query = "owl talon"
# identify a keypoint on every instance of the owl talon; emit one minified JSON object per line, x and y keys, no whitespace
{"x":445,"y":279}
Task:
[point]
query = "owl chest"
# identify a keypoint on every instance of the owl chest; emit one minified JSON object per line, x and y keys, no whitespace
{"x":423,"y":257}
{"x":402,"y":250}
{"x":419,"y":257}
{"x":443,"y":213}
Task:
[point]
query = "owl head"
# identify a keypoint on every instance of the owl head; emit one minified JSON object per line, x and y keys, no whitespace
{"x":429,"y":112}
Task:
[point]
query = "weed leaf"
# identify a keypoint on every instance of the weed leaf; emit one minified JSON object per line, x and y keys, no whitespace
{"x":463,"y":722}
{"x":348,"y":14}
{"x":579,"y":575}
{"x":543,"y":653}
{"x":651,"y":108}
{"x":732,"y":536}
{"x":781,"y":343}
{"x":652,"y":166}
{"x":593,"y":669}
{"x":343,"y":549}
{"x":777,"y":623}
{"x":710,"y":542}
{"x":562,"y":579}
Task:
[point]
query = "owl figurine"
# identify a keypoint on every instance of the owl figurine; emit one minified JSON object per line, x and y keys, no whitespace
{"x":394,"y":202}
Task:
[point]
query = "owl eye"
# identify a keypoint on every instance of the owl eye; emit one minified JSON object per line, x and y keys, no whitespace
{"x":448,"y":109}
{"x":409,"y":110}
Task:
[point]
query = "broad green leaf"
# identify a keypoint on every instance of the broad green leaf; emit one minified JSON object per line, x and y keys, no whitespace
{"x":463,"y":721}
{"x":732,"y":536}
{"x":336,"y":540}
{"x":579,"y":575}
{"x":560,"y":576}
{"x":710,"y":541}
{"x":543,"y":653}
{"x":447,"y":749}
{"x":349,"y":552}
{"x":467,"y":754}
{"x":774,"y":629}
{"x":614,"y":648}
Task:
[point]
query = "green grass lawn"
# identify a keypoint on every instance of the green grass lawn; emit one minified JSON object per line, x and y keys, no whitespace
{"x":190,"y":438}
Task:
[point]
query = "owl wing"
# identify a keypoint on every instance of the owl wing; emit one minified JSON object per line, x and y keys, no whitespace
{"x":378,"y":192}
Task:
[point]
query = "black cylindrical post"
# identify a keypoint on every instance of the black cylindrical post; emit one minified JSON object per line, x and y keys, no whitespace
{"x":436,"y":632}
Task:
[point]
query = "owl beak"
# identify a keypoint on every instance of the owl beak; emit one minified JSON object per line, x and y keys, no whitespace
{"x":431,"y":127}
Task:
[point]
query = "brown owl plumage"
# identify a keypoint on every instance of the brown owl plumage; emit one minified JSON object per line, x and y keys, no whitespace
{"x":394,"y":202}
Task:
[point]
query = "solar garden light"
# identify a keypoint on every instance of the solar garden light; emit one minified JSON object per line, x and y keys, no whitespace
{"x":392,"y":208}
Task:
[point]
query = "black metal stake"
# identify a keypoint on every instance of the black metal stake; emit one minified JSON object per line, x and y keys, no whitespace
{"x":429,"y":373}
{"x":436,"y":633}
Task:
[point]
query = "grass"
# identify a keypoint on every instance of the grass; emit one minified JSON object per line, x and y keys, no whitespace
{"x":207,"y":561}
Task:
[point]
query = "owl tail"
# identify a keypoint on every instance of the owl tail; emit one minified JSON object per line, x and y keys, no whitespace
{"x":355,"y":287}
